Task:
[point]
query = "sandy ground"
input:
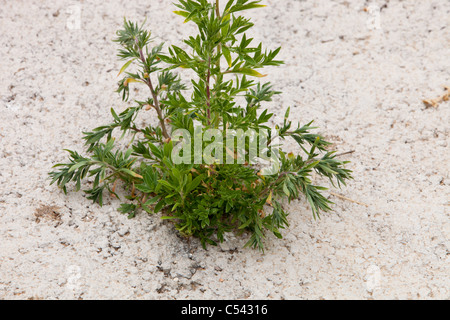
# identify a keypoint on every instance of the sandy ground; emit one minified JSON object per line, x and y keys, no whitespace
{"x":361,"y":74}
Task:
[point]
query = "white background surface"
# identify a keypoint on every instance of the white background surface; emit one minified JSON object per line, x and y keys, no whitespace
{"x":359,"y":75}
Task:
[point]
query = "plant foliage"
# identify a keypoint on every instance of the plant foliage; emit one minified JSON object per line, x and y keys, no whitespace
{"x":207,"y":199}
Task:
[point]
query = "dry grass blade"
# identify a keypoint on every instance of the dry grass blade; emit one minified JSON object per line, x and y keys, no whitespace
{"x":348,"y":199}
{"x":434,"y":103}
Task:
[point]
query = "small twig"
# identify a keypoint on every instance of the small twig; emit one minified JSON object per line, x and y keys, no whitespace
{"x":217,"y":9}
{"x":135,"y":129}
{"x":345,"y":153}
{"x":208,"y":92}
{"x":148,"y":81}
{"x":348,"y":199}
{"x":435,"y":102}
{"x":280,"y":177}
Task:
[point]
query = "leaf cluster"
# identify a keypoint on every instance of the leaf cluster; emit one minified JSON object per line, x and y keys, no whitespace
{"x":208,"y":199}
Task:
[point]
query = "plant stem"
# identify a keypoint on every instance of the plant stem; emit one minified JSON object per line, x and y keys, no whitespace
{"x":219,"y":50}
{"x":148,"y":81}
{"x":348,"y":199}
{"x":217,"y":9}
{"x":208,"y":92}
{"x":158,"y":109}
{"x":208,"y":76}
{"x":280,"y":177}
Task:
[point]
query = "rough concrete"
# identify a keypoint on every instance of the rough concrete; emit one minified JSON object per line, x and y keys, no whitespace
{"x":360,"y":73}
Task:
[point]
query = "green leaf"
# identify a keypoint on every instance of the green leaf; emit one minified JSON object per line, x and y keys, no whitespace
{"x":206,"y":201}
{"x":155,"y":150}
{"x":246,"y":224}
{"x":77,"y":166}
{"x":109,"y":146}
{"x":248,"y":72}
{"x":182,"y":13}
{"x":128,"y":153}
{"x":114,"y":114}
{"x":126,"y":208}
{"x":131,"y":173}
{"x":286,"y":116}
{"x":227,"y":55}
{"x":166,"y":184}
{"x":286,"y":190}
{"x":125,"y":66}
{"x":229,"y":4}
{"x":152,"y":201}
{"x":143,"y":188}
{"x":168,"y":218}
{"x":311,"y":165}
{"x":240,"y":7}
{"x":194,"y":184}
{"x":159,"y":206}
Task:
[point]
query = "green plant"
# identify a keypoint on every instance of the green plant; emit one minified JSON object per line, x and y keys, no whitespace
{"x":210,"y":197}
